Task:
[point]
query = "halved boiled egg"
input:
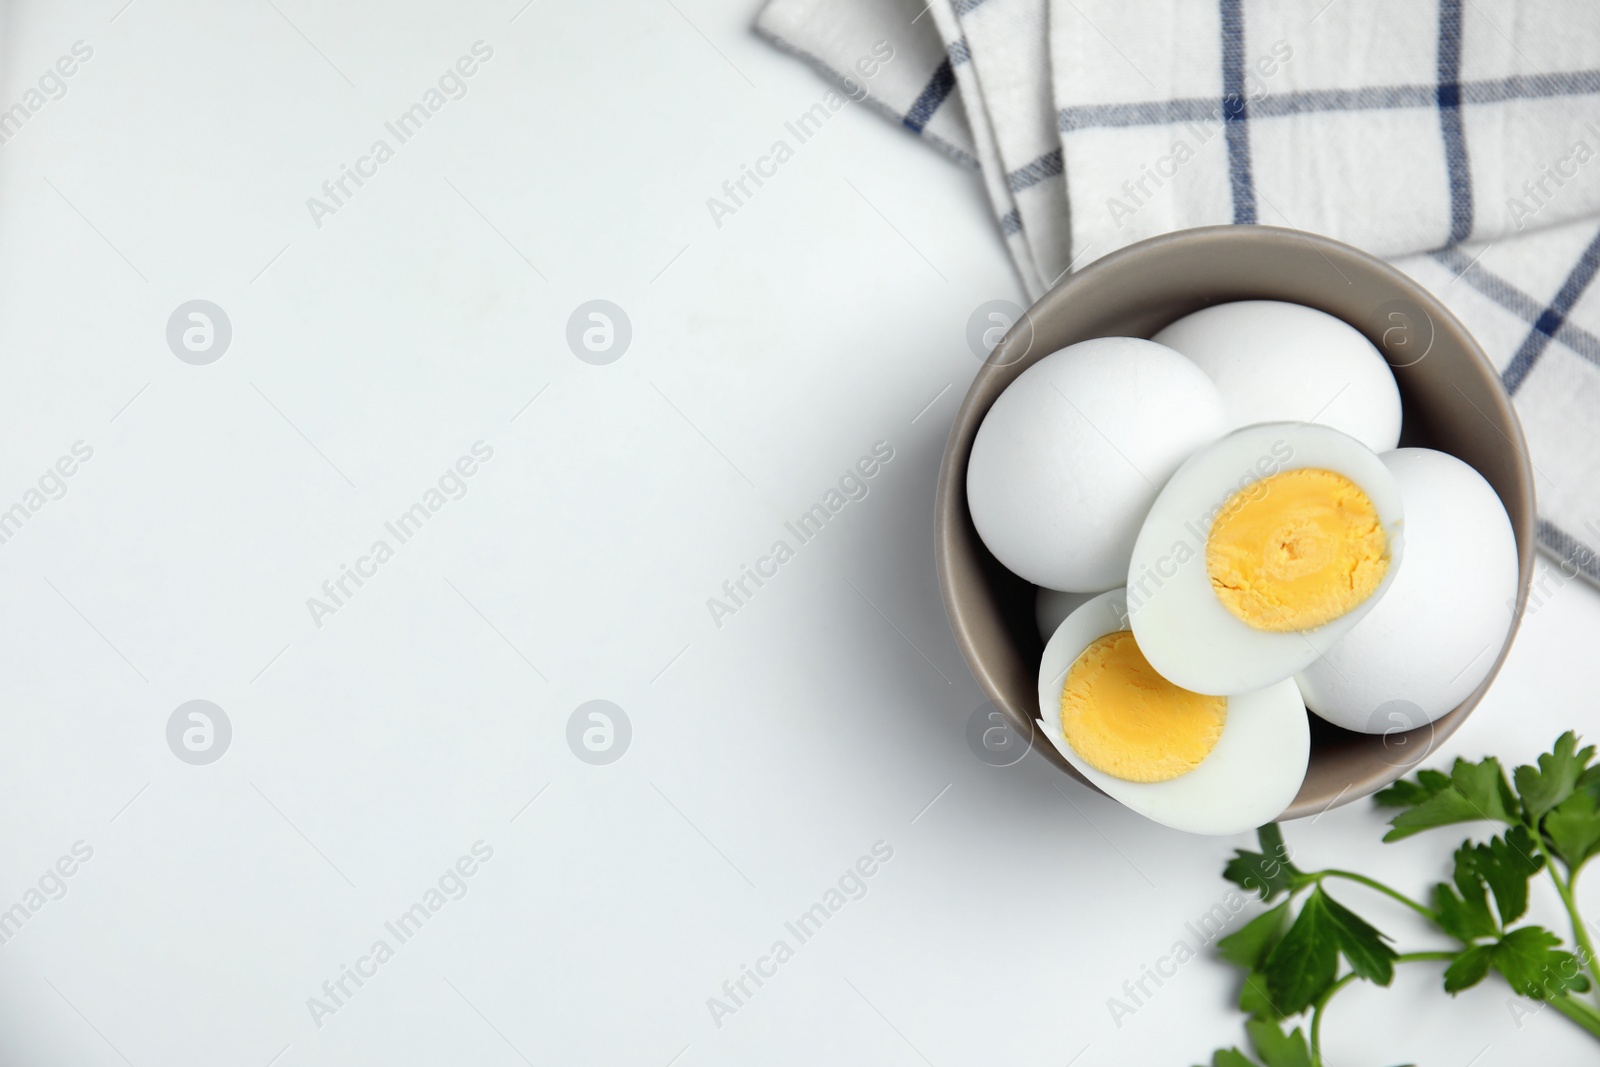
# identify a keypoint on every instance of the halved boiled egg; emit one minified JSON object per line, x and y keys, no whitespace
{"x":1198,"y":763}
{"x":1262,"y":551}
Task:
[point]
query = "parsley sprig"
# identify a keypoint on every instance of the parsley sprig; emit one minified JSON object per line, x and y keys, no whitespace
{"x":1298,"y":955}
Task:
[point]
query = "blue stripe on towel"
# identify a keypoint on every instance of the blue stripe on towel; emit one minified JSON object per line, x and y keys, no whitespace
{"x":928,"y":101}
{"x":1309,"y":101}
{"x":1455,"y":142}
{"x":1026,"y":177}
{"x":1554,"y":316}
{"x":1235,"y":114}
{"x":1573,"y":554}
{"x":1517,"y":302}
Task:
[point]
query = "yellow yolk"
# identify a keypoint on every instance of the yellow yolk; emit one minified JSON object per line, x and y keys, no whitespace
{"x":1126,"y":720}
{"x":1296,"y":550}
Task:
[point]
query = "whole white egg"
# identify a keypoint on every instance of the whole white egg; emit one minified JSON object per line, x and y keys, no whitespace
{"x":1280,"y":362}
{"x":1071,"y":455}
{"x":1439,"y":629}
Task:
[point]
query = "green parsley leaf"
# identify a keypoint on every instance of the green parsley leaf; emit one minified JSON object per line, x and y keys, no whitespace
{"x":1477,"y":791}
{"x":1574,"y":828}
{"x":1502,"y":865}
{"x":1404,"y":794}
{"x":1362,"y":944}
{"x":1274,"y":1047}
{"x":1267,"y":872}
{"x":1464,"y":910}
{"x":1505,"y":864}
{"x":1468,"y":969}
{"x":1249,"y":945}
{"x":1230,"y":1057}
{"x":1535,"y":967}
{"x":1301,"y":966}
{"x":1544,"y":787}
{"x":1254,"y":1000}
{"x":1484,"y":784}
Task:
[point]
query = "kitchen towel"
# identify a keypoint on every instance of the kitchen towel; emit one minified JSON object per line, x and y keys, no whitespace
{"x":1458,"y":138}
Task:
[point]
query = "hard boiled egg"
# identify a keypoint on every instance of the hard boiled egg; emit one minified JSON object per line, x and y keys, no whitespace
{"x":1072,"y":453}
{"x":1203,"y":764}
{"x":1278,"y":362}
{"x":1440,"y":627}
{"x":1260,"y":553}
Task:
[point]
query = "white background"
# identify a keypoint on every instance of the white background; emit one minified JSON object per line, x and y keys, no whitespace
{"x":368,"y":754}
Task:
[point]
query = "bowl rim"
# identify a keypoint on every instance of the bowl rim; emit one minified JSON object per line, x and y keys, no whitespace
{"x":951,"y":517}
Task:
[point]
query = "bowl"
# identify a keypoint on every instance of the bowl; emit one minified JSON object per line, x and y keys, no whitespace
{"x":1452,"y":398}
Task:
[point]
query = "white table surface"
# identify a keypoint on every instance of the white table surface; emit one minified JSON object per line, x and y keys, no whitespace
{"x":370,"y":752}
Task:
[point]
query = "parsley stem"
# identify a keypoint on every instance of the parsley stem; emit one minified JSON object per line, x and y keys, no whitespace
{"x":1327,"y":995}
{"x":1580,"y":930}
{"x":1564,"y":887}
{"x":1316,"y":1016}
{"x":1578,"y":1012}
{"x":1421,"y":909}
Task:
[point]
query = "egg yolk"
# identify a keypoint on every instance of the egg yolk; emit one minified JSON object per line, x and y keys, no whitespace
{"x":1296,"y":550}
{"x":1126,"y":720}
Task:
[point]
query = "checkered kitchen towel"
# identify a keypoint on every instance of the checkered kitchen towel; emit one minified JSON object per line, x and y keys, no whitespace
{"x":1458,"y":138}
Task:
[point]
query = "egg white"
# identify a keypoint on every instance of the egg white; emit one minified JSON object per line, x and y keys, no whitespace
{"x":1247,"y":780}
{"x":1068,"y":459}
{"x":1329,"y":372}
{"x":1185,"y":631}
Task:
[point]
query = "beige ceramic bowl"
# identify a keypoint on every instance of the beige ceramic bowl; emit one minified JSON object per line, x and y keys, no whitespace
{"x":1452,"y":398}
